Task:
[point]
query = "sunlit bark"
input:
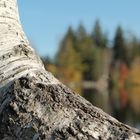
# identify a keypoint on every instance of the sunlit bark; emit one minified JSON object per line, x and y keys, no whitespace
{"x":33,"y":104}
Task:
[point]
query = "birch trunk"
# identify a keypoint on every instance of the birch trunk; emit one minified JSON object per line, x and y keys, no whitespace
{"x":36,"y":106}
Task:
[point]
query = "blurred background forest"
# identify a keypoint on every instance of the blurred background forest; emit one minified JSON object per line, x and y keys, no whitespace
{"x":105,"y":72}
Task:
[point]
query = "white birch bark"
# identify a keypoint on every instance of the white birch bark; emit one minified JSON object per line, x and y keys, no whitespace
{"x":17,"y":58}
{"x":34,"y":105}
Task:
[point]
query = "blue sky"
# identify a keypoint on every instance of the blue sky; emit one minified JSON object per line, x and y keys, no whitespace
{"x":46,"y":21}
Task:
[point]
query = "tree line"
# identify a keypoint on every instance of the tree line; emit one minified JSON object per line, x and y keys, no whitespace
{"x":83,"y":56}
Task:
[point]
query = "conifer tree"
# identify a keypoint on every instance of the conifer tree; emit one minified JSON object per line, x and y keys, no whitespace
{"x":99,"y":38}
{"x":119,"y":46}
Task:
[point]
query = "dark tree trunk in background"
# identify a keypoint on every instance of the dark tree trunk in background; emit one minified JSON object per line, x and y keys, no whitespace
{"x":36,"y":106}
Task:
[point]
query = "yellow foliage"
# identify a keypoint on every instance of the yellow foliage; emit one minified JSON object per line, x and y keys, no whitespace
{"x":134,"y":79}
{"x":134,"y":75}
{"x":52,"y":69}
{"x":134,"y":98}
{"x":71,"y":78}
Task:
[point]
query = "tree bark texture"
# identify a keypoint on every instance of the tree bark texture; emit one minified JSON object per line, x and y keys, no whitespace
{"x":36,"y":106}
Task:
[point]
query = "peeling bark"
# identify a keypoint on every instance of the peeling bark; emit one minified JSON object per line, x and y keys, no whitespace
{"x":36,"y":106}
